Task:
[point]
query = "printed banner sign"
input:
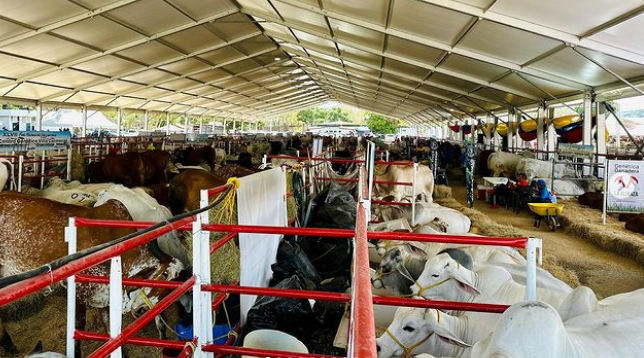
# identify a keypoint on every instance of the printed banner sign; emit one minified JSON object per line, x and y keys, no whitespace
{"x":578,"y":150}
{"x":21,"y":141}
{"x":625,"y":186}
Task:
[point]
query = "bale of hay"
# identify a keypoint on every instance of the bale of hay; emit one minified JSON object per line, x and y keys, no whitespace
{"x":78,"y":166}
{"x":483,"y":225}
{"x":442,"y":192}
{"x":586,"y":223}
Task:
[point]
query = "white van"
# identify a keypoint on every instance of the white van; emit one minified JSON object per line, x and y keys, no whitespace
{"x":336,"y":132}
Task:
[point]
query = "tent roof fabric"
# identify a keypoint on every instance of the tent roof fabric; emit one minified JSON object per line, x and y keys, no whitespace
{"x":423,"y":60}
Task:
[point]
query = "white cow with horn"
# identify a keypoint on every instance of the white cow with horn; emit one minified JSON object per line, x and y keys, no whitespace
{"x":445,"y":279}
{"x":424,"y":184}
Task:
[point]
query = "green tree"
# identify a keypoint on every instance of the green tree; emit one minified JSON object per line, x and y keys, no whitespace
{"x":337,"y":114}
{"x":381,"y":125}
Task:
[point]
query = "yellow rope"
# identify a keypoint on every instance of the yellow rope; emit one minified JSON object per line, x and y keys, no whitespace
{"x":224,"y":213}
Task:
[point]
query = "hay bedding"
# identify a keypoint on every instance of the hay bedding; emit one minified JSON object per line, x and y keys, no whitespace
{"x":483,"y":225}
{"x":584,"y":222}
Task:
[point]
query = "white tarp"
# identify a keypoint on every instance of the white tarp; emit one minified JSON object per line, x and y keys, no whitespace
{"x":260,"y":201}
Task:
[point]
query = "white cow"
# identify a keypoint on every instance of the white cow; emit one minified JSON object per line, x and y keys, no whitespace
{"x":504,"y":163}
{"x":535,"y":330}
{"x":424,"y":185}
{"x":533,"y":168}
{"x":58,"y":183}
{"x":71,"y":196}
{"x":220,"y":156}
{"x":143,"y":207}
{"x":427,"y":330}
{"x":445,"y":279}
{"x":4,"y":173}
{"x":574,"y":187}
{"x":445,"y":220}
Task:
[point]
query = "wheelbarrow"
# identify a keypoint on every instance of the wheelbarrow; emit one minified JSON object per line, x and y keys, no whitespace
{"x":548,"y":211}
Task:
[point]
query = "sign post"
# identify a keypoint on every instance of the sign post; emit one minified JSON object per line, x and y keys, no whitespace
{"x":624,"y":187}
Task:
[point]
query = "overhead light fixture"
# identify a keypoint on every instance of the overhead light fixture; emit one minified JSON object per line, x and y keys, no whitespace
{"x":277,"y":58}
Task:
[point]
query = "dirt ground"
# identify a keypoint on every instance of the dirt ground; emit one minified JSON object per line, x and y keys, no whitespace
{"x":607,"y":273}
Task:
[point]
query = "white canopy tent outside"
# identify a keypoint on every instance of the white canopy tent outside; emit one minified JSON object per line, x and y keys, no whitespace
{"x":74,"y":119}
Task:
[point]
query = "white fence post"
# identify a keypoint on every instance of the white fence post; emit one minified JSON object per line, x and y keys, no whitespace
{"x":42,"y":169}
{"x":264,"y":160}
{"x":116,"y":303}
{"x":413,"y":196}
{"x":70,"y":238}
{"x":202,"y":301}
{"x":533,"y":258}
{"x":21,"y":160}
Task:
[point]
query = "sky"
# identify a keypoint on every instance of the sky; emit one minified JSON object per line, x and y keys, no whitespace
{"x":631,"y":103}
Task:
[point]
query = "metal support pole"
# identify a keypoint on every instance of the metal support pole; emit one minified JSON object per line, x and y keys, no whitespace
{"x":69,"y":161}
{"x":552,"y":137}
{"x":588,"y":126}
{"x":43,"y":158}
{"x":119,"y":119}
{"x":413,"y":196}
{"x":540,"y":135}
{"x":21,"y":160}
{"x":146,"y":120}
{"x":39,"y":117}
{"x":201,"y":125}
{"x":186,"y":122}
{"x":495,"y":137}
{"x":511,"y":122}
{"x":518,"y":140}
{"x":70,"y":238}
{"x":534,"y":258}
{"x":116,"y":305}
{"x":167,"y":123}
{"x":601,"y":137}
{"x":83,"y":132}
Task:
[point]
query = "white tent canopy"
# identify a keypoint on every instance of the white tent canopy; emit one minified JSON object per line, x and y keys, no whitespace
{"x":74,"y":119}
{"x":423,"y":60}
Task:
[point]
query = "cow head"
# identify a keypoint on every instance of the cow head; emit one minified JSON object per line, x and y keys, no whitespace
{"x":143,"y":298}
{"x":445,"y":279}
{"x":412,"y":330}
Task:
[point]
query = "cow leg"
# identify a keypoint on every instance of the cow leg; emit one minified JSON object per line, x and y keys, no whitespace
{"x":5,"y":341}
{"x":158,"y":322}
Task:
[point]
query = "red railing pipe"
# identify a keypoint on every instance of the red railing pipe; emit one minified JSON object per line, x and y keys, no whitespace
{"x":134,"y":282}
{"x":224,"y":349}
{"x":449,"y":239}
{"x":217,"y":190}
{"x":137,"y":341}
{"x":107,"y":348}
{"x":362,"y":331}
{"x":221,"y":242}
{"x":21,"y":289}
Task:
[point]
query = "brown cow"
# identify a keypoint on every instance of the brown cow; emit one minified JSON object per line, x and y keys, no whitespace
{"x":593,"y":200}
{"x":127,"y":169}
{"x":185,"y":187}
{"x":31,"y":235}
{"x":636,"y":224}
{"x":155,"y":163}
{"x":191,"y":156}
{"x":233,"y":170}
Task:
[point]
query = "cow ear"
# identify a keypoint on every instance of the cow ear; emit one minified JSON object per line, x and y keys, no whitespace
{"x":416,"y":250}
{"x":463,"y":278}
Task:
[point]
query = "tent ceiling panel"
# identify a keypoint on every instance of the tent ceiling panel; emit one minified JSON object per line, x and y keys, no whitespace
{"x":374,"y":11}
{"x":99,"y":32}
{"x":494,"y":95}
{"x":255,"y":44}
{"x":628,"y":35}
{"x":623,"y":68}
{"x":180,"y":84}
{"x":108,"y":66}
{"x":410,"y":70}
{"x":519,"y":82}
{"x":232,"y":26}
{"x":573,"y":16}
{"x":9,"y":29}
{"x":17,"y":67}
{"x":81,"y":97}
{"x":306,"y":19}
{"x":462,"y":85}
{"x":38,"y":13}
{"x":137,"y":15}
{"x":359,"y":55}
{"x":68,"y":78}
{"x":222,"y":55}
{"x":116,"y":86}
{"x":193,"y":39}
{"x":571,"y":64}
{"x":414,"y":50}
{"x":189,"y":65}
{"x":242,"y":66}
{"x":47,"y":48}
{"x":481,"y":4}
{"x":32,"y":91}
{"x":147,"y":77}
{"x":507,"y":43}
{"x":199,"y":9}
{"x":211,"y":75}
{"x":474,"y":68}
{"x":150,"y":53}
{"x":151,"y":92}
{"x":347,"y":32}
{"x":446,"y":26}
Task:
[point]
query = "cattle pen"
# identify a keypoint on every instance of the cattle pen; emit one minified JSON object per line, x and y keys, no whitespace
{"x":361,"y":336}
